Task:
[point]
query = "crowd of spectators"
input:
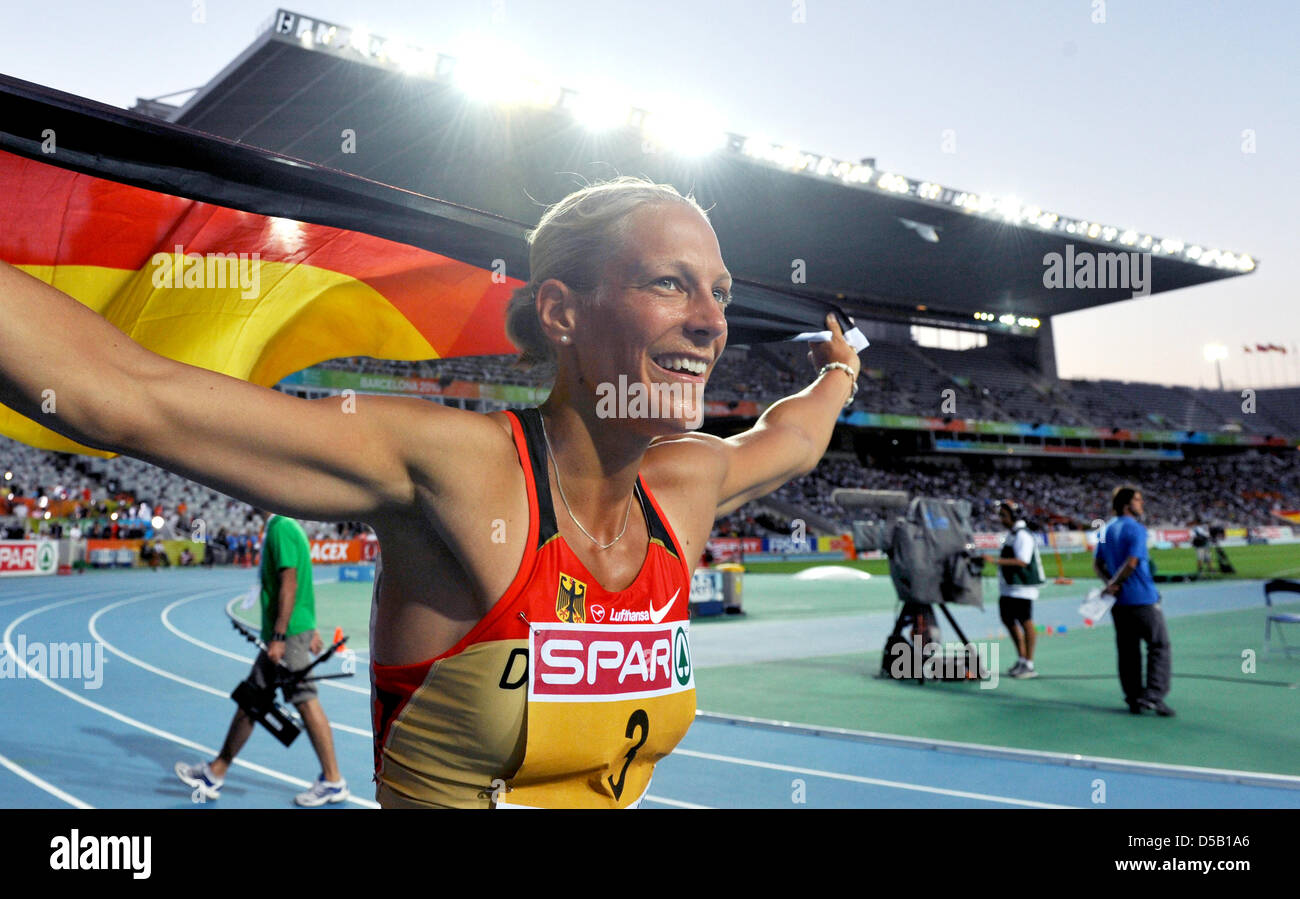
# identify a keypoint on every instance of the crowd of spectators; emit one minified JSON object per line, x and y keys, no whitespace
{"x":62,"y":495}
{"x":81,"y":496}
{"x":902,"y":379}
{"x":1241,"y":489}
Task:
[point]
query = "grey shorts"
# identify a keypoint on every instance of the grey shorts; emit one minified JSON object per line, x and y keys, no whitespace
{"x":297,"y":656}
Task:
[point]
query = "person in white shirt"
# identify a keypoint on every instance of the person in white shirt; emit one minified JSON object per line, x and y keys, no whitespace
{"x":1202,"y":542}
{"x":1020,"y":571}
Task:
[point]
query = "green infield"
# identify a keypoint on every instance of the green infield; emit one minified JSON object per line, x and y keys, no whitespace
{"x":1237,"y":703}
{"x":345,"y":605}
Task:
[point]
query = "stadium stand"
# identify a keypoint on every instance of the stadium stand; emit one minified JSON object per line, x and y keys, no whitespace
{"x":987,"y":384}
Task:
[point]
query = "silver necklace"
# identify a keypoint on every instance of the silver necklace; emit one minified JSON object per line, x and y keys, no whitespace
{"x":627,"y":516}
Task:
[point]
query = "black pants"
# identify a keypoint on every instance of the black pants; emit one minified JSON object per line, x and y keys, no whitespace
{"x":1133,"y":625}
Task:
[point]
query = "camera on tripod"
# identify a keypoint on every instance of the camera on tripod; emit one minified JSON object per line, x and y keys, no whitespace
{"x":932,"y":562}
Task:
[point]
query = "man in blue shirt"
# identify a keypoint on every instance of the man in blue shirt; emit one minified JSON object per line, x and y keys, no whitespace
{"x":1124,"y":566}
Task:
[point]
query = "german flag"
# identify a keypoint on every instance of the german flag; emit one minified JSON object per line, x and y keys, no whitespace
{"x":255,"y":264}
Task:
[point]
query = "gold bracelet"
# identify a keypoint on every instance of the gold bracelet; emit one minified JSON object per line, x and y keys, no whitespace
{"x":848,"y":371}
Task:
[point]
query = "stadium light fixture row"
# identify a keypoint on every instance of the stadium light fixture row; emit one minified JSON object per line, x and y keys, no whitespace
{"x":493,"y":73}
{"x":1009,"y":319}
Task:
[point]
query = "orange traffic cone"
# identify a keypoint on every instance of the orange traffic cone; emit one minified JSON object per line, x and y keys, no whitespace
{"x":338,"y":635}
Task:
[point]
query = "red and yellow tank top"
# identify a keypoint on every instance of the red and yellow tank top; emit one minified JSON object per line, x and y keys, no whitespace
{"x":564,"y":695}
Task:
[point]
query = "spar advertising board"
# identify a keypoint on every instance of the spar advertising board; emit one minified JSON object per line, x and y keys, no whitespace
{"x":22,"y":557}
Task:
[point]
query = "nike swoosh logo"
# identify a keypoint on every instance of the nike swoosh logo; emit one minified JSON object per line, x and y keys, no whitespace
{"x":657,"y":615}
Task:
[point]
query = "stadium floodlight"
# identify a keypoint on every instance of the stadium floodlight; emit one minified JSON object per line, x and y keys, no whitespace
{"x":894,"y":183}
{"x":860,"y":174}
{"x":1007,"y":319}
{"x":600,"y":110}
{"x":785,"y":157}
{"x":487,"y":69}
{"x":1215,"y":351}
{"x":491,"y":79}
{"x":1245,"y":263}
{"x":1194,"y":253}
{"x":411,"y":60}
{"x":359,"y":40}
{"x":685,"y":130}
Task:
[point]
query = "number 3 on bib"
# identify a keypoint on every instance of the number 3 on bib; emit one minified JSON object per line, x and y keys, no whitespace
{"x":638,"y":720}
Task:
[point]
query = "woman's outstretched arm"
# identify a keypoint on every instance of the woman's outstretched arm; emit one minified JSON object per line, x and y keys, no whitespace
{"x":320,"y":459}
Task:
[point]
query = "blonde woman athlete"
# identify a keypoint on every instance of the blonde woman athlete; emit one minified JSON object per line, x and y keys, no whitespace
{"x":530,"y":628}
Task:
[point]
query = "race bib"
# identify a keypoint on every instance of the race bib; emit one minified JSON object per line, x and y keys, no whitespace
{"x":605,"y":704}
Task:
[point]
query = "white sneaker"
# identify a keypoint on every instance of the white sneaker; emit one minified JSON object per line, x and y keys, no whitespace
{"x":1024,"y":671}
{"x":200,"y":779}
{"x":322,"y":791}
{"x":1016,"y":669}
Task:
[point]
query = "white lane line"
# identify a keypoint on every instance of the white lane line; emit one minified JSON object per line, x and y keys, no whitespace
{"x":43,"y":784}
{"x":1032,"y":756}
{"x":10,"y":602}
{"x":61,"y":592}
{"x":153,"y":669}
{"x":247,"y":660}
{"x":872,"y":781}
{"x":147,"y":728}
{"x":675,"y":803}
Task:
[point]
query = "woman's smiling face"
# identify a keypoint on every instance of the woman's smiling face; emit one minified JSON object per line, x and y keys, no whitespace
{"x":657,"y":317}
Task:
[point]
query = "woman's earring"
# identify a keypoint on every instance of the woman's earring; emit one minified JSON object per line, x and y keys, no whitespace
{"x":564,"y":338}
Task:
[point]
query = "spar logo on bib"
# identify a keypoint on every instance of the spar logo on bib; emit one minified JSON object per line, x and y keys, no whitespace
{"x":682,"y":656}
{"x":579,"y":662}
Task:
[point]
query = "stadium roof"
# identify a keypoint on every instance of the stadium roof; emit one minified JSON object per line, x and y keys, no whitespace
{"x":887,"y":244}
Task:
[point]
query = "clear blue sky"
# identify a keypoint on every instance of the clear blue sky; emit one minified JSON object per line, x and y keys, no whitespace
{"x":1136,"y":121}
